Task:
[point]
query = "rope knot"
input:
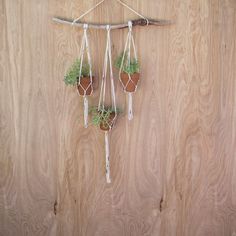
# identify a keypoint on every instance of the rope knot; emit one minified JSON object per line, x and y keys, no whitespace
{"x":85,"y":26}
{"x":108,"y":27}
{"x":130,"y":24}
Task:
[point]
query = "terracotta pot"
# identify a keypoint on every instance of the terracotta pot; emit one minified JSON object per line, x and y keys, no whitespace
{"x":131,"y":86}
{"x":85,"y":86}
{"x":108,"y":125}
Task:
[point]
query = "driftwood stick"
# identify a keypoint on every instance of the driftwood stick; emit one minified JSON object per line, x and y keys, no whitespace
{"x":141,"y":22}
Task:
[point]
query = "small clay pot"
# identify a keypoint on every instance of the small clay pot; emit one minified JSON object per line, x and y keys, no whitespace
{"x":131,"y":86}
{"x":108,"y":125}
{"x":85,"y":86}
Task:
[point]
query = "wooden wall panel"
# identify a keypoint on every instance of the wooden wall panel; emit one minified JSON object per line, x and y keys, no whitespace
{"x":173,"y":166}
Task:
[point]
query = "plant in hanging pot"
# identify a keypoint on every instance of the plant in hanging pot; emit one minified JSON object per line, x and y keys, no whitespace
{"x":104,"y":118}
{"x":129,"y":72}
{"x":83,"y":80}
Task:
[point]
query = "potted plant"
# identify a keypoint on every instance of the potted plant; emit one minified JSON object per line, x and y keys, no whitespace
{"x":83,"y":81}
{"x":104,"y":118}
{"x":129,"y":75}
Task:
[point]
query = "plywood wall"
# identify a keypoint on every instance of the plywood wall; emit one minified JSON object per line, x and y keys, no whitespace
{"x":173,"y":166}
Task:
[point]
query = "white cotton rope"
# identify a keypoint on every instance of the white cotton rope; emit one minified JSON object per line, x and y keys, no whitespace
{"x":108,"y":172}
{"x":119,"y":1}
{"x":85,"y":49}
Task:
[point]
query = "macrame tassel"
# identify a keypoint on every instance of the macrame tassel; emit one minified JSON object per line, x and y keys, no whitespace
{"x":108,"y":178}
{"x":85,"y":112}
{"x":130,"y":107}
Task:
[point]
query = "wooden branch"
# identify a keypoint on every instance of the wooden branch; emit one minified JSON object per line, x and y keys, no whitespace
{"x":141,"y":22}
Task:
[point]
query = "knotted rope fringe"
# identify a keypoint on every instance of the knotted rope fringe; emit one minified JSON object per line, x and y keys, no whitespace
{"x":85,"y":47}
{"x":127,"y":51}
{"x":101,"y":105}
{"x":119,"y":1}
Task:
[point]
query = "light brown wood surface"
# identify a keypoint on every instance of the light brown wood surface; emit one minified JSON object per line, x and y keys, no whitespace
{"x":173,"y":167}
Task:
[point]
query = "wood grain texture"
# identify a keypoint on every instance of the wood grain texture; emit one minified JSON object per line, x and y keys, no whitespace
{"x":173,"y":167}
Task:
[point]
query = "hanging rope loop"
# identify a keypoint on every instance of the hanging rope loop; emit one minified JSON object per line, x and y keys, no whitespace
{"x":147,"y":21}
{"x":119,"y":1}
{"x":130,"y":24}
{"x":108,"y":27}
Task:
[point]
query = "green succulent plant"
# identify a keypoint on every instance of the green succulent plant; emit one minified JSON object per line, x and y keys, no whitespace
{"x":101,"y":116}
{"x":129,"y":68}
{"x":73,"y":72}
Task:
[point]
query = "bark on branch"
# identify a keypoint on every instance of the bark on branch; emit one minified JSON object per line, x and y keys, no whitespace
{"x":141,"y":22}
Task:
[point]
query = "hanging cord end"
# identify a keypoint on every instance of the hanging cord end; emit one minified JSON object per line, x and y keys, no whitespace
{"x":108,"y":177}
{"x":85,"y":112}
{"x":130,"y":107}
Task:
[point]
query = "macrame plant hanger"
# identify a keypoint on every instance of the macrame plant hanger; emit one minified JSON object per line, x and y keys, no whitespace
{"x":130,"y":81}
{"x":143,"y":21}
{"x":107,"y":61}
{"x":85,"y":89}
